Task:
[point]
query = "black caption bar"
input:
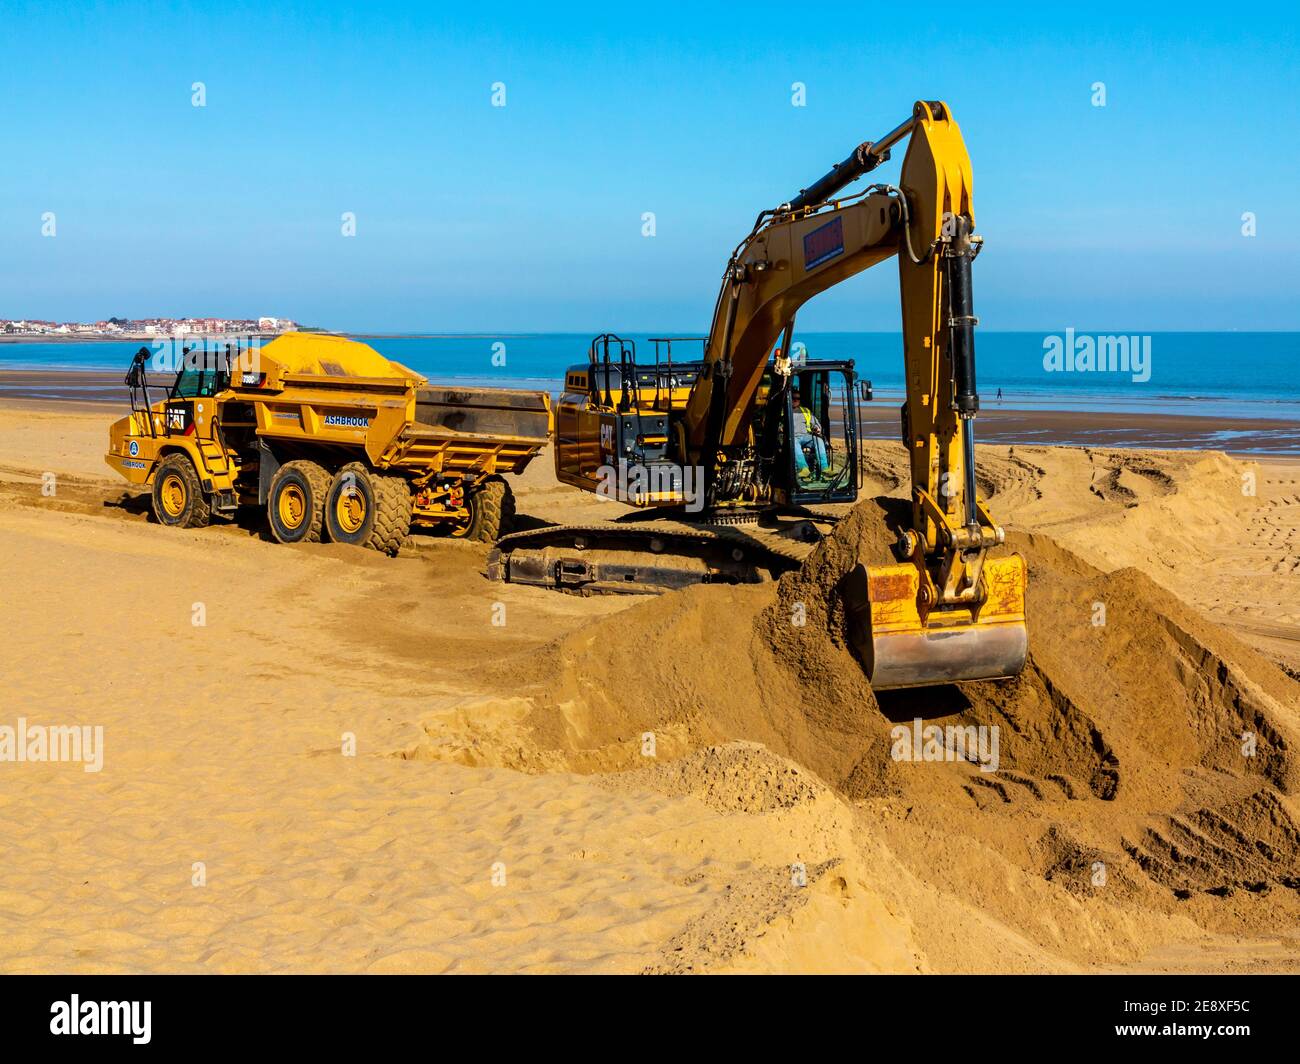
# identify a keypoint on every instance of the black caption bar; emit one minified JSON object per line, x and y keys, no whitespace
{"x":151,"y":1013}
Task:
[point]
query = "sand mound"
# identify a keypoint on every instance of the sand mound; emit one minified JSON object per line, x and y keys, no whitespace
{"x":743,"y":663}
{"x":1142,"y":744}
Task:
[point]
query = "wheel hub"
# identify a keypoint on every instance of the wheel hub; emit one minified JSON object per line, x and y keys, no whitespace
{"x":292,"y":506}
{"x":350,"y":510}
{"x":173,"y":495}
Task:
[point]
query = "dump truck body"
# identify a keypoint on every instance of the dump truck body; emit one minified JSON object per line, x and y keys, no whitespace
{"x":331,"y":409}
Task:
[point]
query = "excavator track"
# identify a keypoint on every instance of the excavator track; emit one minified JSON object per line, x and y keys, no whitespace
{"x":649,"y":556}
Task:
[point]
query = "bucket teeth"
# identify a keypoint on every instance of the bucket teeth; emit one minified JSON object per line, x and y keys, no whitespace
{"x":902,"y":643}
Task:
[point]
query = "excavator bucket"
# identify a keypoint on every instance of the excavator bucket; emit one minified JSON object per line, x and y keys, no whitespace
{"x":902,"y":644}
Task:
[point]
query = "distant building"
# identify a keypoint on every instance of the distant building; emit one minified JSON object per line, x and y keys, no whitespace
{"x":146,"y":327}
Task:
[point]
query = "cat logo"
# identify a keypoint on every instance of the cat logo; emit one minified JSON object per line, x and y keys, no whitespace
{"x":176,"y":419}
{"x":607,"y":438}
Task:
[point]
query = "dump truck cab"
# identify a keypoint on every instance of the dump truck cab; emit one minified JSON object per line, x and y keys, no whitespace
{"x":179,"y":427}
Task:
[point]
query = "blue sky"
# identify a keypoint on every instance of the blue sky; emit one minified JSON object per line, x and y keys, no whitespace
{"x":472,"y":218}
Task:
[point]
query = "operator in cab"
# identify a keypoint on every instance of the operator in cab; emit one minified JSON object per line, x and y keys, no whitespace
{"x":807,"y":431}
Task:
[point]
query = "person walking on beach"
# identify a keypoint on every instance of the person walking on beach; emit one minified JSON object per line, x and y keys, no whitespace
{"x":999,"y":395}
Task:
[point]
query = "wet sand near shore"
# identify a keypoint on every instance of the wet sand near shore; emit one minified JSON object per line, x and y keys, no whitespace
{"x":880,"y":420}
{"x":1110,"y":429}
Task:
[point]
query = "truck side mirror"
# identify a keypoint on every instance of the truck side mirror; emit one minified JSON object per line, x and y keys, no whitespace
{"x":864,"y":391}
{"x":135,"y":372}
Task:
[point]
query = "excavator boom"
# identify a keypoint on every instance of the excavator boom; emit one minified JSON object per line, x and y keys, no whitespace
{"x":948,"y":611}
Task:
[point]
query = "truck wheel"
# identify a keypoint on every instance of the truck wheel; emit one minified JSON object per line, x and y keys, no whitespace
{"x":368,"y":509}
{"x":178,"y":498}
{"x":491,"y":511}
{"x":295,"y":505}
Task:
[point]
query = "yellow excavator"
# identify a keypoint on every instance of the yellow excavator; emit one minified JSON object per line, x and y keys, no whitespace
{"x":733,"y":457}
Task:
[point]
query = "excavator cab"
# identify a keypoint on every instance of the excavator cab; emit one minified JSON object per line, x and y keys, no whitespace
{"x":821,"y":435}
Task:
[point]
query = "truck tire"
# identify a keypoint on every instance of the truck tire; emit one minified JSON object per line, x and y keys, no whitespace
{"x":295,"y":505}
{"x":368,"y":509}
{"x":491,"y":511}
{"x":178,"y":497}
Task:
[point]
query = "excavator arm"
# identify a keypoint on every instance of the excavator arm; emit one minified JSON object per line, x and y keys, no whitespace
{"x":947,"y":611}
{"x":785,"y":262}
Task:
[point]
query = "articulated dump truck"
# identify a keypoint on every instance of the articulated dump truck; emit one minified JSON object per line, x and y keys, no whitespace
{"x":336,"y":441}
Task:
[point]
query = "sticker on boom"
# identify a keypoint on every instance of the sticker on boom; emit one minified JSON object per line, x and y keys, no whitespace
{"x":343,"y":421}
{"x":823,"y":243}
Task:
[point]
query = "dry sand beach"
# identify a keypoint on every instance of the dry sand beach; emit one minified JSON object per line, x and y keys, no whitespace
{"x":500,"y":815}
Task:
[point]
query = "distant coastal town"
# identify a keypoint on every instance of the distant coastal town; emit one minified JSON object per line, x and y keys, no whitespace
{"x":142,"y":328}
